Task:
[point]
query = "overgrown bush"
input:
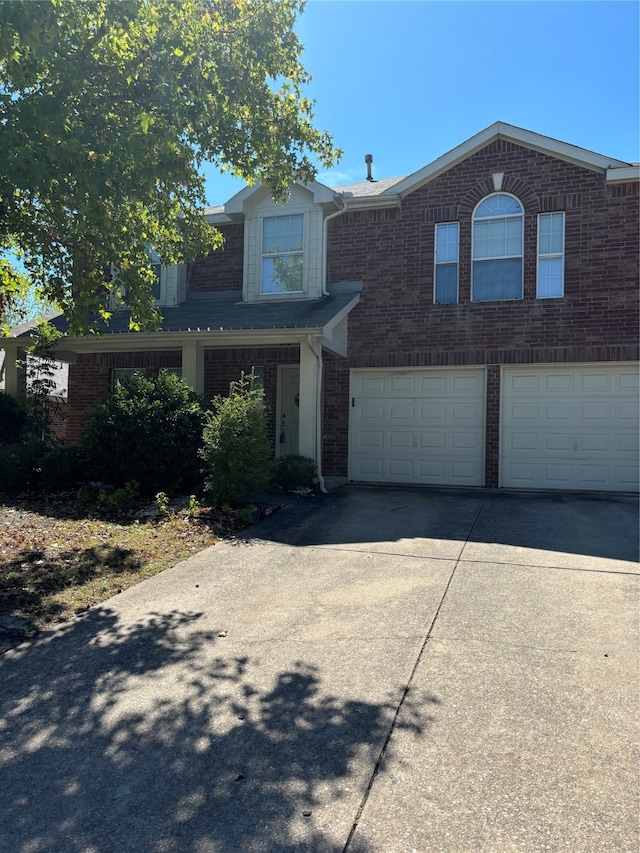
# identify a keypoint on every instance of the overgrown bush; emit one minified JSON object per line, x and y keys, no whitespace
{"x":294,"y":472}
{"x":20,"y":466}
{"x":13,"y":418}
{"x":62,"y":468}
{"x":236,"y":448}
{"x":149,"y":429}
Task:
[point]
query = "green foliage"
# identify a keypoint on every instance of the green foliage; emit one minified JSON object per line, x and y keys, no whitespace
{"x":236,"y":447}
{"x":161,"y":502}
{"x":247,"y":515}
{"x":294,"y":472}
{"x":149,"y":428}
{"x":107,"y":110}
{"x":13,"y":419}
{"x":62,"y":469}
{"x":194,"y":506}
{"x":88,"y":495}
{"x":120,"y":500}
{"x":20,"y":466}
{"x":34,"y":466}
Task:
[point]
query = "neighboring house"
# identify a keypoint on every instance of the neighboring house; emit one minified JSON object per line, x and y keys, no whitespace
{"x":472,"y":324}
{"x":55,"y":373}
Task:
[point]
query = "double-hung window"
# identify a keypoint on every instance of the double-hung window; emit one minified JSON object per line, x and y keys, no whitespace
{"x":282,"y":254}
{"x":446,"y":271}
{"x":498,"y":227}
{"x":550,"y":255}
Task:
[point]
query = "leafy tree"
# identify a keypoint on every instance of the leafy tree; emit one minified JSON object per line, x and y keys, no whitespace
{"x":148,"y":430}
{"x":107,"y":110}
{"x":236,"y":447}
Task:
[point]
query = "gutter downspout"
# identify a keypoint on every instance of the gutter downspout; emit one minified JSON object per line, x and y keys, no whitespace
{"x":317,"y":351}
{"x":325,"y":249}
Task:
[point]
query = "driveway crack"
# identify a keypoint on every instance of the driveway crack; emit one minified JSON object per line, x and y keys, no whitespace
{"x":408,"y":685}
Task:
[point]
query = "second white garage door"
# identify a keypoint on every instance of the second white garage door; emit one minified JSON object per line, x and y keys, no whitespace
{"x":417,"y":426}
{"x":570,"y":427}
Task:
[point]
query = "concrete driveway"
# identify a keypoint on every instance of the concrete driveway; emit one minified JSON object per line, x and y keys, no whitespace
{"x":378,"y":670}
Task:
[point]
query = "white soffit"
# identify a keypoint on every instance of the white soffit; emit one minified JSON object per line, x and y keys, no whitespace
{"x":526,"y":138}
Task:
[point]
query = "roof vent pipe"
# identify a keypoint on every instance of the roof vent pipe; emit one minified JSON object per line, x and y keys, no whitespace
{"x":368,"y":159}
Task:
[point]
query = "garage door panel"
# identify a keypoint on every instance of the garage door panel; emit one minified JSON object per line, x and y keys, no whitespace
{"x":431,"y":386}
{"x":627,"y":443}
{"x":401,"y":440}
{"x":587,"y":440}
{"x":562,"y":382}
{"x":403,"y":411}
{"x":429,"y":426}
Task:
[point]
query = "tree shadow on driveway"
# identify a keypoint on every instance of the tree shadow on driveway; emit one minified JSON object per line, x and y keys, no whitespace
{"x":147,"y":738}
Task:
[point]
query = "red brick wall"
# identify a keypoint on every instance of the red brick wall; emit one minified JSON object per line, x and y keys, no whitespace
{"x":222,"y":269}
{"x":396,"y":323}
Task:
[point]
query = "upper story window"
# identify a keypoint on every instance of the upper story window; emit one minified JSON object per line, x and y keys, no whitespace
{"x":282,"y":254}
{"x":446,"y":261}
{"x":550,"y":255}
{"x":497,"y":249}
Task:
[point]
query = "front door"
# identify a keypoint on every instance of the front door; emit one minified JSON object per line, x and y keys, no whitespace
{"x":288,"y":411}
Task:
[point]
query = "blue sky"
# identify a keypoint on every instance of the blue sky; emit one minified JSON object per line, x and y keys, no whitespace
{"x":408,"y":81}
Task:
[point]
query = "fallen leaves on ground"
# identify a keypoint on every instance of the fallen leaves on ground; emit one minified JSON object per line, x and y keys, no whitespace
{"x":57,"y":559}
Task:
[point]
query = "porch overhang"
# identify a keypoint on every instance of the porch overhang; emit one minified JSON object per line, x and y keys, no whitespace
{"x":215,"y":321}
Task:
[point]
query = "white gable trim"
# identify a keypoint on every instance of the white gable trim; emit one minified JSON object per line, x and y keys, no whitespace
{"x":623,"y":174}
{"x":499,"y":130}
{"x":320,"y":193}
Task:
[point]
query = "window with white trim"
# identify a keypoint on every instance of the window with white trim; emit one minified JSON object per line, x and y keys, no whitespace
{"x":498,"y":229}
{"x":550,"y":255}
{"x":447,"y":240}
{"x":282,"y":254}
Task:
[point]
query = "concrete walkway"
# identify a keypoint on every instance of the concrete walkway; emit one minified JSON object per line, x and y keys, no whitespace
{"x":379,"y":670}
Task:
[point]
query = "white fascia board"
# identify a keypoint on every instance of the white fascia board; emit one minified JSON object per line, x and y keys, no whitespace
{"x":510,"y":133}
{"x":624,"y":174}
{"x":218,"y":218}
{"x":333,"y":322}
{"x":154,"y":341}
{"x":362,"y":202}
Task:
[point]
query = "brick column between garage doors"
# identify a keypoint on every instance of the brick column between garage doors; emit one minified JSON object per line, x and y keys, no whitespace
{"x":492,"y":437}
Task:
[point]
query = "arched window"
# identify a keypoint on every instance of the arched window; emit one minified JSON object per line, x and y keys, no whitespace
{"x":498,"y":227}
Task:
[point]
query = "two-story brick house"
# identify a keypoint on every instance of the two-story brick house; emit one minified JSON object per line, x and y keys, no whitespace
{"x":475,"y":323}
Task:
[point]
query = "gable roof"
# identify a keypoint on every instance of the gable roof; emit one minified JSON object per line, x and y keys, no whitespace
{"x":526,"y":138}
{"x":394,"y":188}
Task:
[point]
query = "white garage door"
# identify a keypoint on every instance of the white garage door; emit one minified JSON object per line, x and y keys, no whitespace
{"x":417,"y":426}
{"x":570,"y":427}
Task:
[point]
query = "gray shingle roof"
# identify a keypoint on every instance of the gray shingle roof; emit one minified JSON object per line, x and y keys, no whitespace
{"x":225,"y":311}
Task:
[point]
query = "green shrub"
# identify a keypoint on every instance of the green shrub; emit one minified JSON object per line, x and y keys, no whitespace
{"x":13,"y":419}
{"x":295,"y":472}
{"x":150,"y":429}
{"x":236,"y":447}
{"x":20,"y":466}
{"x":62,"y":468}
{"x":122,"y":499}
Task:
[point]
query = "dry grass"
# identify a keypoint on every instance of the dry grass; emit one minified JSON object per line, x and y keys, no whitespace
{"x":56,"y":560}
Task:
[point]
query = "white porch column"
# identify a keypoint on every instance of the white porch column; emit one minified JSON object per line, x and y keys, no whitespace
{"x":193,"y":365}
{"x":308,"y":414}
{"x":15,"y":377}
